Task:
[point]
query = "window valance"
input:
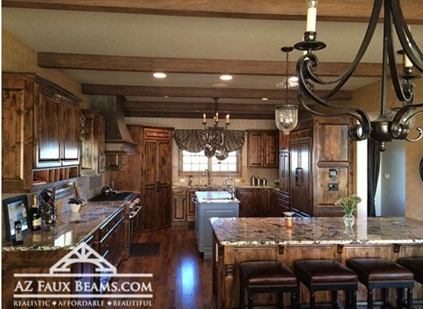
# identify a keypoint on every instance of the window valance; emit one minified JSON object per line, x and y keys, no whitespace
{"x":194,"y":140}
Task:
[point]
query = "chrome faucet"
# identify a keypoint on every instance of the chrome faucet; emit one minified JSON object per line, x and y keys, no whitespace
{"x":209,"y":179}
{"x":232,"y":187}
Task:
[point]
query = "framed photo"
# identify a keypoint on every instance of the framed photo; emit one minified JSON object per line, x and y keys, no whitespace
{"x":16,"y":209}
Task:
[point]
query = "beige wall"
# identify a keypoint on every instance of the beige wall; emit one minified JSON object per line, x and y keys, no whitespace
{"x":19,"y":57}
{"x":244,"y":179}
{"x":368,"y":98}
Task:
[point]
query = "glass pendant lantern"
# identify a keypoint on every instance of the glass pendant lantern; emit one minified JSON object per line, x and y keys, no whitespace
{"x":286,"y":117}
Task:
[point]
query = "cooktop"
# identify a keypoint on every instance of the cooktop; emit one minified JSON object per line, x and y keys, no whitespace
{"x":117,"y":196}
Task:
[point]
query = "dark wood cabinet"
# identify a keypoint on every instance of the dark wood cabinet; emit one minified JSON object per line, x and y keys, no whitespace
{"x":284,"y":140}
{"x":70,"y":133}
{"x":262,"y":149}
{"x":93,"y":160}
{"x":40,"y":131}
{"x":284,"y":172}
{"x":278,"y":203}
{"x":253,"y":202}
{"x":300,"y":176}
{"x":179,"y":205}
{"x":48,"y":113}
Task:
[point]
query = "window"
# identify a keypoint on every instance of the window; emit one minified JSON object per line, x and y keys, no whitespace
{"x":196,"y":162}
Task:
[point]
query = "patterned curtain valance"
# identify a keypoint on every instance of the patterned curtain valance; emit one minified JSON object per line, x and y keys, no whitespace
{"x":194,"y":141}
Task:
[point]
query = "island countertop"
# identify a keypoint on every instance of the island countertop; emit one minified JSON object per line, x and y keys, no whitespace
{"x":323,"y":231}
{"x":69,"y":230}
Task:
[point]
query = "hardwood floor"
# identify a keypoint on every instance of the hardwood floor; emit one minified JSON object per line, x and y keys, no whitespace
{"x":181,"y":279}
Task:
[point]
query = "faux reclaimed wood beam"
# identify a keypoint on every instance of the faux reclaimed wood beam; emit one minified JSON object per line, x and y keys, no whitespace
{"x":193,"y":66}
{"x":264,"y":108}
{"x":237,"y":93}
{"x":198,"y":115}
{"x":329,"y":10}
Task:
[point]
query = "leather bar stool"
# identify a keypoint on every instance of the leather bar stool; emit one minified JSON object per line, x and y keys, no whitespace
{"x":415,"y":265}
{"x":327,"y":275}
{"x":377,"y":273}
{"x":266,"y":277}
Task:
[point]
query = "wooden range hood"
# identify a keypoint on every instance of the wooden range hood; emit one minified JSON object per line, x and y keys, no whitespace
{"x":118,"y":139}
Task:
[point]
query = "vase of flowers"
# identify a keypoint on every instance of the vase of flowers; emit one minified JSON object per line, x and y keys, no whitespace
{"x":349,"y":205}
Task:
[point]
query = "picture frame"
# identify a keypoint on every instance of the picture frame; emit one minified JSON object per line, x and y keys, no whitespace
{"x":16,"y":208}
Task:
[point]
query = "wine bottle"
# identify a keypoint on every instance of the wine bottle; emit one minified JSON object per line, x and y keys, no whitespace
{"x":35,"y":215}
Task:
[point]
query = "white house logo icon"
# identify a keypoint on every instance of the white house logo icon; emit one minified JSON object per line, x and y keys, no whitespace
{"x":83,"y":254}
{"x":62,"y":270}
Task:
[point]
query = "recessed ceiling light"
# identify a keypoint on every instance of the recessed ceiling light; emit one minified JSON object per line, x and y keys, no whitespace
{"x":226,"y":77}
{"x":220,"y":85}
{"x":159,"y":75}
{"x":264,"y":99}
{"x":166,"y":96}
{"x":293,"y":79}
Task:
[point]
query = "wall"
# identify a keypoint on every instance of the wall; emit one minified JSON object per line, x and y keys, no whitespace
{"x":244,"y":179}
{"x":19,"y":57}
{"x":368,"y":98}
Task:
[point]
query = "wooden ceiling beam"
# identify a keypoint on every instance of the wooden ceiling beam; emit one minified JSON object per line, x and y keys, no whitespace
{"x":329,"y":10}
{"x":193,"y":66}
{"x":198,"y":115}
{"x":237,"y":93}
{"x":199,"y":107}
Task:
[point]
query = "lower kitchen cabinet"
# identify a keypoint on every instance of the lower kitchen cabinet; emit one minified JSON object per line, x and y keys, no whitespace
{"x":179,"y":205}
{"x":253,"y":202}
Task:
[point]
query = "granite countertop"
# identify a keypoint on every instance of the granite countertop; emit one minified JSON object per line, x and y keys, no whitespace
{"x":213,"y":197}
{"x":69,"y":230}
{"x":318,"y":231}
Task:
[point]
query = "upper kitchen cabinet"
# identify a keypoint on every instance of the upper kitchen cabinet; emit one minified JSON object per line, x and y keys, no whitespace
{"x":40,"y":131}
{"x":263,"y":149}
{"x":93,"y":158}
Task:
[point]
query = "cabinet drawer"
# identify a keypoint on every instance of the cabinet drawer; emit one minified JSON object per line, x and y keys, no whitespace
{"x":109,"y":224}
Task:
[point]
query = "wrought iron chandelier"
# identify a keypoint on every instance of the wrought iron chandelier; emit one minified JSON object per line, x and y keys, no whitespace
{"x":214,"y":136}
{"x":387,"y":126}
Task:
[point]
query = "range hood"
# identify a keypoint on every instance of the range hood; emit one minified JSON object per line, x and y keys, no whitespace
{"x":118,"y":139}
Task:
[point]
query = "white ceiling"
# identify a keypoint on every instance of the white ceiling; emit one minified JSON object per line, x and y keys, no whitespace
{"x":184,"y":37}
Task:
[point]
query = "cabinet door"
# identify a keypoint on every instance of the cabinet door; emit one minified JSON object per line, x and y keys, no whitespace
{"x":255,"y":149}
{"x":179,"y":208}
{"x":70,"y":124}
{"x":270,"y":149}
{"x":284,"y":172}
{"x":149,"y":209}
{"x":191,"y":206}
{"x":248,"y":206}
{"x":48,"y":128}
{"x":300,"y":176}
{"x":150,"y":163}
{"x":284,"y":140}
{"x":101,"y":144}
{"x":163,"y":206}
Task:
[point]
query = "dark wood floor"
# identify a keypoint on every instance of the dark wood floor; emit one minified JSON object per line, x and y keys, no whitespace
{"x":181,"y":279}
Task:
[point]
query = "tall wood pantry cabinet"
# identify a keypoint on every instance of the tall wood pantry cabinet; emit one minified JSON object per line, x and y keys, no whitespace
{"x":40,"y":131}
{"x":150,"y":172}
{"x":319,"y":166}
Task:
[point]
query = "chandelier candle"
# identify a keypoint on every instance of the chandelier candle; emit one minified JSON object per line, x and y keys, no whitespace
{"x":311,"y":15}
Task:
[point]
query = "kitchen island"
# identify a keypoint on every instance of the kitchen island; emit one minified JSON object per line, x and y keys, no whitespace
{"x":236,"y":240}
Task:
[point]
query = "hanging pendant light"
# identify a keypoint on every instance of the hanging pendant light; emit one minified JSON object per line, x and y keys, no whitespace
{"x":286,"y":115}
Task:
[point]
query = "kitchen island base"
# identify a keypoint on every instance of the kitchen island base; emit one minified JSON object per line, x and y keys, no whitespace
{"x":229,"y":252}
